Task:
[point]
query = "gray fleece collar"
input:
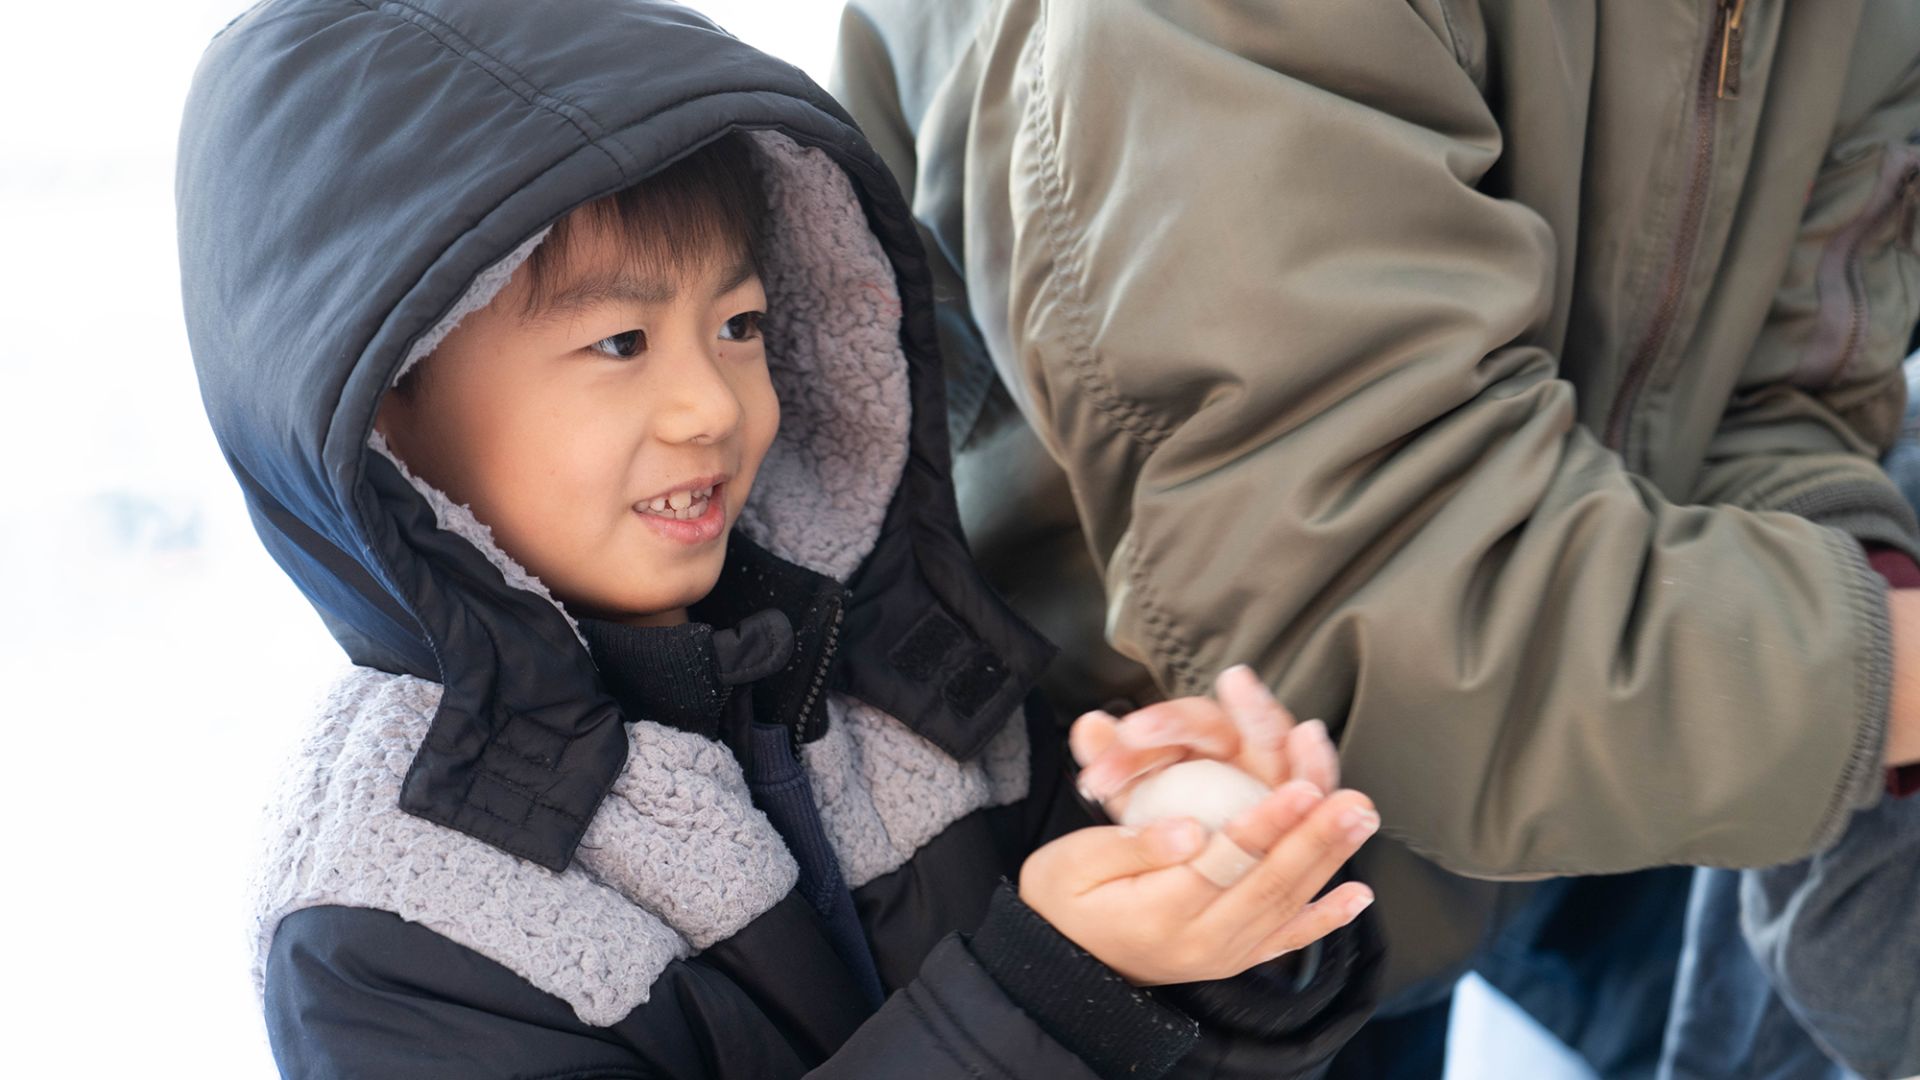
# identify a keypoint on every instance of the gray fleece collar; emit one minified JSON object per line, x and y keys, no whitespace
{"x":676,"y":859}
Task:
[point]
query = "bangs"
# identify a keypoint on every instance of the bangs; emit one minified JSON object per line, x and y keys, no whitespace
{"x":705,"y":207}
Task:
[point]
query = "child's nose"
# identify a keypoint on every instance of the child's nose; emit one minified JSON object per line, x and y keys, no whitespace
{"x":701,"y":406}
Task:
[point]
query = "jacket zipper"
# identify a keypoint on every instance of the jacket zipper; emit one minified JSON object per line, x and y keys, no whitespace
{"x":1729,"y":32}
{"x":827,"y":650}
{"x":1719,"y":78}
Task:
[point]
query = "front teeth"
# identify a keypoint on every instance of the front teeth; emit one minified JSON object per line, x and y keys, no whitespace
{"x":680,"y":506}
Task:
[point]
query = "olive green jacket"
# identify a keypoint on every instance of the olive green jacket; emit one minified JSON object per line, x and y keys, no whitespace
{"x":1503,"y":379}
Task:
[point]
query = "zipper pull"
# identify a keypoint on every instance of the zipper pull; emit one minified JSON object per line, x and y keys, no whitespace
{"x":1731,"y":12}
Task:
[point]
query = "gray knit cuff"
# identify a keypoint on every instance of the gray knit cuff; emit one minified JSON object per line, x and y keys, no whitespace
{"x":1119,"y":1030}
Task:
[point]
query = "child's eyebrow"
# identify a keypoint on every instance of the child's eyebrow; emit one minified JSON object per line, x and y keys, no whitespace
{"x":626,"y":288}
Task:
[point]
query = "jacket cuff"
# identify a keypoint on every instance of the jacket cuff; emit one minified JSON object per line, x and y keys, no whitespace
{"x":1312,"y":1000}
{"x":1864,"y":776}
{"x":1116,"y":1028}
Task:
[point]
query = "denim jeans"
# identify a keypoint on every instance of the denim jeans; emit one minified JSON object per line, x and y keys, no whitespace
{"x":1792,"y":970}
{"x":1592,"y":959}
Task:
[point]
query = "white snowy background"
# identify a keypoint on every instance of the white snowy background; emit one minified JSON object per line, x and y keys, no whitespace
{"x":158,"y":661}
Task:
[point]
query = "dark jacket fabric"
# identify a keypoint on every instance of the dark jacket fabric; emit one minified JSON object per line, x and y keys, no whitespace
{"x":514,"y":844}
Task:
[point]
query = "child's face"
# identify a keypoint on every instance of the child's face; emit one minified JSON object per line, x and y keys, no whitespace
{"x":610,"y":439}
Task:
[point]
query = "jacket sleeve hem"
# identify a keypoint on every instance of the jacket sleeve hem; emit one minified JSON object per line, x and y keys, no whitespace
{"x":1116,"y":1028}
{"x":1863,"y":777}
{"x":1299,"y":1010}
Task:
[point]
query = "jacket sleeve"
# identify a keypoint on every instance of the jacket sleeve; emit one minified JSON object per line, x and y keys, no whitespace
{"x":357,"y":992}
{"x":1820,"y":399}
{"x":1281,"y":342}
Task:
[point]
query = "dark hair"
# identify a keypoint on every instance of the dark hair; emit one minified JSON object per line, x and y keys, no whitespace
{"x":708,"y":203}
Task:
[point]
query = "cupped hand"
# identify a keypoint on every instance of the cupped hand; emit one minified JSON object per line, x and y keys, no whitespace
{"x":1242,"y":725}
{"x":1129,"y":897}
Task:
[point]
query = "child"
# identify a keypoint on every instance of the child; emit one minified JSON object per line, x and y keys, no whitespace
{"x":577,"y":363}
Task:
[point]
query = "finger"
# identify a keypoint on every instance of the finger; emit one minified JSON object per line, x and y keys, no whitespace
{"x":1311,"y":756}
{"x":1108,"y":776}
{"x":1237,"y":849}
{"x":1090,"y":736}
{"x":1318,"y":919}
{"x":1259,"y":829}
{"x":1263,"y":723}
{"x":1198,"y":723}
{"x":1296,"y":869}
{"x":1088,"y":858}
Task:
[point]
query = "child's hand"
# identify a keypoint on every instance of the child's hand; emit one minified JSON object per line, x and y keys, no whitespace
{"x":1130,"y":899}
{"x":1244,"y":727}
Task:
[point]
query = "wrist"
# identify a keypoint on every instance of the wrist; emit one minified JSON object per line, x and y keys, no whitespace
{"x":1903,"y":719}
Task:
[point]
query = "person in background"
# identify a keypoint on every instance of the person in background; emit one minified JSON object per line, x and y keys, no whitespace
{"x":1504,"y":381}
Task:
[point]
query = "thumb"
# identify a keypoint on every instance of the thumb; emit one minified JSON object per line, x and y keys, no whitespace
{"x":1092,"y":857}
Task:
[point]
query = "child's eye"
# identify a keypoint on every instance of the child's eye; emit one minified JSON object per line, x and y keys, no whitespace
{"x":622,"y":346}
{"x":743,"y":327}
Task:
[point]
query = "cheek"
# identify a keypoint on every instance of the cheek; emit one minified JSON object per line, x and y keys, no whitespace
{"x":760,"y":419}
{"x":551,"y":476}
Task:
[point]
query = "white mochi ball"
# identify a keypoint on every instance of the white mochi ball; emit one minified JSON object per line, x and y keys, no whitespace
{"x":1211,"y":792}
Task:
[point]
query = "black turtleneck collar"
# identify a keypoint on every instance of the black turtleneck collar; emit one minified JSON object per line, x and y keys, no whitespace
{"x":767,"y":624}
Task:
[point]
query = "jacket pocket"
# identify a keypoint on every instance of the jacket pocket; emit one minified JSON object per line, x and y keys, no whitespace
{"x":1865,"y":280}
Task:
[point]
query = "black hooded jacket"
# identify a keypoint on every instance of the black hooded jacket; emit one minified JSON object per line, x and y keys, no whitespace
{"x":516,"y":845}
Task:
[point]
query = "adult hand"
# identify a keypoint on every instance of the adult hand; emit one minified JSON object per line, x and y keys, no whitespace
{"x":1242,"y":725}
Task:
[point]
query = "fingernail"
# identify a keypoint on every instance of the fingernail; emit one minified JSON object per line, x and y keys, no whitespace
{"x":1359,"y":824}
{"x":1359,"y":904}
{"x":1095,"y":784}
{"x":1150,"y":724}
{"x":1300,"y":795}
{"x":1254,"y":681}
{"x":1317,"y":729}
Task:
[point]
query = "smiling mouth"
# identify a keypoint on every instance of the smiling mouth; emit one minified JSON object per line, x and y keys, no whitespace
{"x":684,"y":505}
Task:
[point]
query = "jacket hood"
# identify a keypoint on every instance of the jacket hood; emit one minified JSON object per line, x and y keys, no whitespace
{"x":355,"y":177}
